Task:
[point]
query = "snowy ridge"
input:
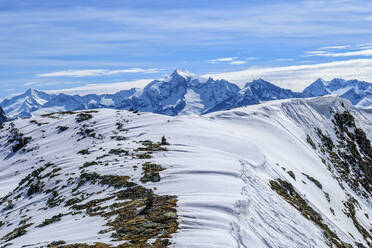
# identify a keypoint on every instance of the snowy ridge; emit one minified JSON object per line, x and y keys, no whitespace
{"x":183,"y":93}
{"x":219,"y":166}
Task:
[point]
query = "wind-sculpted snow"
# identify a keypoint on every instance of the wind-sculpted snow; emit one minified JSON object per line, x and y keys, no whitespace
{"x":272,"y":225}
{"x":220,"y":167}
{"x":184,"y":93}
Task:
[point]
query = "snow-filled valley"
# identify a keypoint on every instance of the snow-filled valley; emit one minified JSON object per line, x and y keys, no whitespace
{"x":286,"y":173}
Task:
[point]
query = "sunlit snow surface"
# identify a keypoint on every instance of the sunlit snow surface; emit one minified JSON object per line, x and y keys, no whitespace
{"x":219,"y":166}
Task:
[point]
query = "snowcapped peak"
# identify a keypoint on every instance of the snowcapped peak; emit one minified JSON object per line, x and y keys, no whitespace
{"x":317,"y":88}
{"x":210,"y":79}
{"x":30,"y":91}
{"x":258,"y":83}
{"x":259,"y":80}
{"x":34,"y":94}
{"x":320,"y":80}
{"x":22,"y":105}
{"x":183,"y":73}
{"x":338,"y":83}
{"x":339,"y":80}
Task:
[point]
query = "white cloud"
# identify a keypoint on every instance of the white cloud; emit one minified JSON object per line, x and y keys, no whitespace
{"x":365,"y":46}
{"x":361,"y":50}
{"x":288,"y":59}
{"x":238,"y":62}
{"x":231,"y":60}
{"x":213,"y":61}
{"x":104,"y":88}
{"x":366,"y":52}
{"x":43,"y":84}
{"x":334,"y":47}
{"x":297,"y":77}
{"x":96,"y":72}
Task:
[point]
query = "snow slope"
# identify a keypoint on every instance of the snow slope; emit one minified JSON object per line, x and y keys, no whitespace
{"x":219,"y":166}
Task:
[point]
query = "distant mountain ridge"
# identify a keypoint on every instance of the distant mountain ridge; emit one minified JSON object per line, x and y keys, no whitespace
{"x":359,"y":93}
{"x":184,"y":93}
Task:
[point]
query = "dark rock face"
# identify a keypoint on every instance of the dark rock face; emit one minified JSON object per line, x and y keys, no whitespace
{"x":3,"y":117}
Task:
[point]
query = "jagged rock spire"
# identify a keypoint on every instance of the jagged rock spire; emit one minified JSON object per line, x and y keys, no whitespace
{"x":3,"y":117}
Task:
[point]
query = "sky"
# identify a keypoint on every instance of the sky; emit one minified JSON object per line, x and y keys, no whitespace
{"x":80,"y":47}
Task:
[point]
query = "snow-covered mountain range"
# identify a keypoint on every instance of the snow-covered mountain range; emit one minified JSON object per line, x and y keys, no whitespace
{"x":359,"y":93}
{"x":183,"y":92}
{"x":285,"y":173}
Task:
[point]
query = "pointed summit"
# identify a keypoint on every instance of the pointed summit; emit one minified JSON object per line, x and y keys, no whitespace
{"x":259,"y":83}
{"x":33,"y":93}
{"x":30,"y":91}
{"x":320,"y":80}
{"x":22,"y":105}
{"x":318,"y":88}
{"x":182,"y":73}
{"x":259,"y":80}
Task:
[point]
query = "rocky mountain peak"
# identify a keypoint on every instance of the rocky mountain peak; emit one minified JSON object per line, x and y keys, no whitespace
{"x":3,"y":117}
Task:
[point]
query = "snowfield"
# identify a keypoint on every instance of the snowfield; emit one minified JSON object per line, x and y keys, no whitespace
{"x":220,"y":166}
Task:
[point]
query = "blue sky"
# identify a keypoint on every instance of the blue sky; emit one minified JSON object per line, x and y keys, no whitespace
{"x":58,"y":45}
